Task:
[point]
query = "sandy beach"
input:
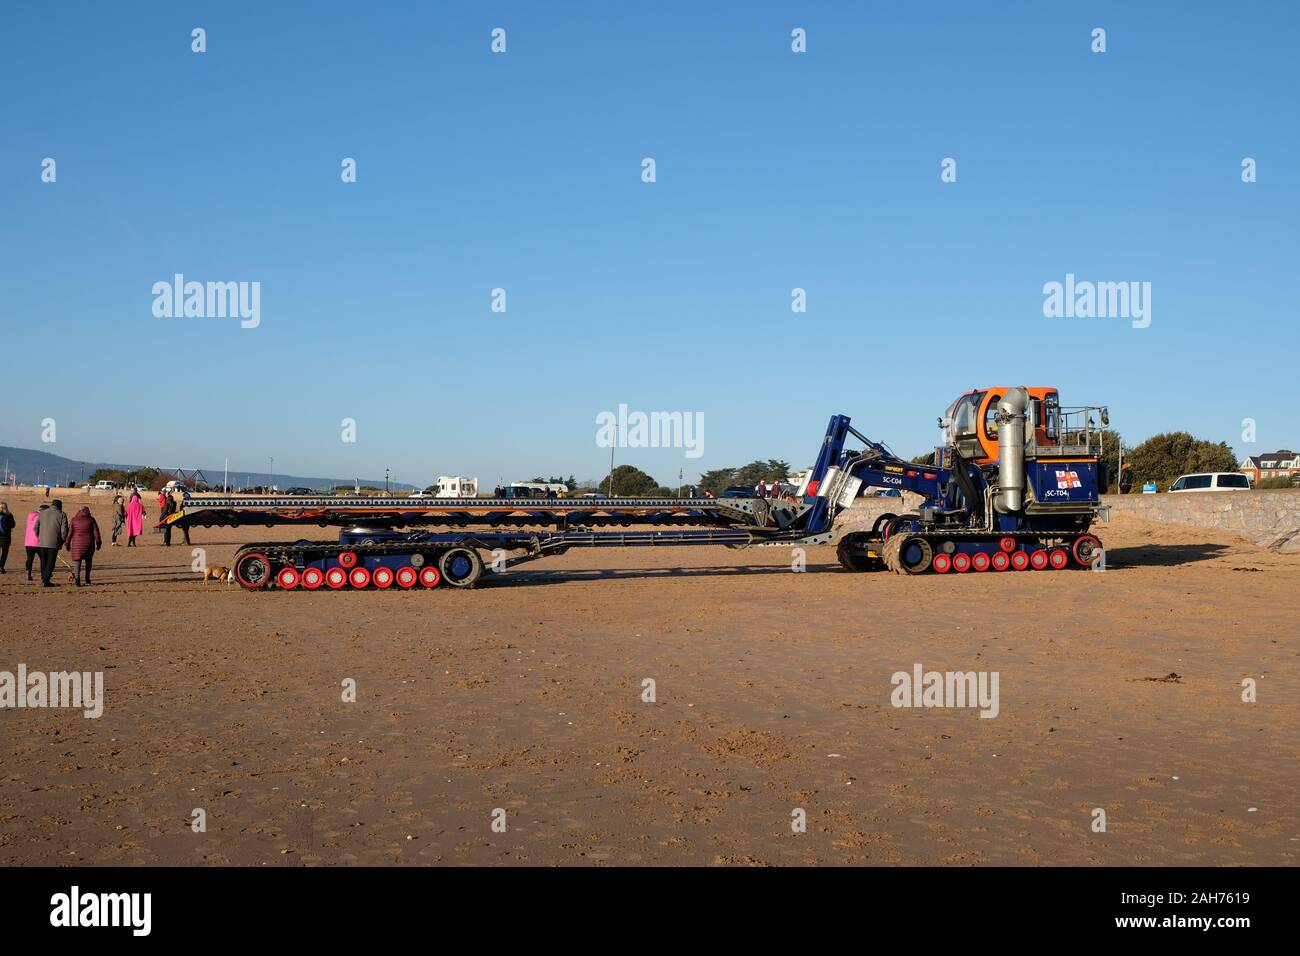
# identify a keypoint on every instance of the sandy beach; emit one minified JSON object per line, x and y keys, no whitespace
{"x":1119,"y":691}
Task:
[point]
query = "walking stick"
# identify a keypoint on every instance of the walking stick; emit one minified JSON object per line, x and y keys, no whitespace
{"x":72,"y":571}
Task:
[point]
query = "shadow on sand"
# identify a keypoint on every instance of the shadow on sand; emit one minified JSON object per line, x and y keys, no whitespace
{"x":1162,"y":555}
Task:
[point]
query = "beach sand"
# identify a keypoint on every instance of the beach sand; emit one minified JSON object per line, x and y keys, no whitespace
{"x":772,"y":695}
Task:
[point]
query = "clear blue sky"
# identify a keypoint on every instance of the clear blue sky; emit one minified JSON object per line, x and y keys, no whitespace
{"x":523,"y":171}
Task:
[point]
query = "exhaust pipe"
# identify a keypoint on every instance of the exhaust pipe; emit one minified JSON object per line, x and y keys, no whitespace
{"x":1011,"y":451}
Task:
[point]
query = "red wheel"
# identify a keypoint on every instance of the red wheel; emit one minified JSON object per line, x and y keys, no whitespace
{"x":1038,"y":560}
{"x":287,"y":578}
{"x":336,"y":578}
{"x":1020,"y":560}
{"x":942,"y":563}
{"x":1086,"y":549}
{"x":1001,"y":561}
{"x":1007,"y":544}
{"x":312,"y":578}
{"x":961,"y":562}
{"x":407,"y":576}
{"x":253,"y":571}
{"x":348,"y":559}
{"x":1058,"y":558}
{"x":359,"y":578}
{"x":429,"y":576}
{"x":980,"y":561}
{"x":382,"y":578}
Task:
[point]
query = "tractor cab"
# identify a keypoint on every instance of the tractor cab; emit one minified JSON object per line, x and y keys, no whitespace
{"x":972,"y":422}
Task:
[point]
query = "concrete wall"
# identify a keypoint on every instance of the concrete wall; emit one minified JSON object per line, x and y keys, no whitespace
{"x":864,"y":512}
{"x":1270,"y":518}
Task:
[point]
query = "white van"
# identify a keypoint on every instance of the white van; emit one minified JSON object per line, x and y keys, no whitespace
{"x":1213,"y":481}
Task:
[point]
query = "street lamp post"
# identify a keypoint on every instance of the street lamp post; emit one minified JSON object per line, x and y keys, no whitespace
{"x":270,"y":489}
{"x":611,"y":461}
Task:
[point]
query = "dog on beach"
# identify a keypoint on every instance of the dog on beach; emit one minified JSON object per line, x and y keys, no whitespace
{"x":215,"y":572}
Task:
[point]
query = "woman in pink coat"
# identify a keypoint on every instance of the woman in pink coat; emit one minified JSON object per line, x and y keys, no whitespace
{"x":134,"y":519}
{"x":32,"y":541}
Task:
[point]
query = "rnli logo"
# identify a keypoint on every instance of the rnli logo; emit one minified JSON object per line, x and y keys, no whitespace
{"x":1068,"y":479}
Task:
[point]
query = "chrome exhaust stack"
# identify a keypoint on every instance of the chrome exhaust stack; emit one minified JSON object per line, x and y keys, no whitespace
{"x":1010,"y":498}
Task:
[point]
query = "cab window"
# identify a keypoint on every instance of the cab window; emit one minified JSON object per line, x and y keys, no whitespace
{"x":991,"y":418}
{"x":1232,"y":481}
{"x":963,"y":415}
{"x":1052,"y":419}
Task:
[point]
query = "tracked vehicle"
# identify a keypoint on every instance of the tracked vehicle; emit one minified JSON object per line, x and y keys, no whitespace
{"x":1015,"y":487}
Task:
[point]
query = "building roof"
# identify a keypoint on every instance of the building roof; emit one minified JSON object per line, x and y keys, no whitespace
{"x":1279,"y":456}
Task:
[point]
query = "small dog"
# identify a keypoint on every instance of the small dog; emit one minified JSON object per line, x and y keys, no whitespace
{"x":215,"y":572}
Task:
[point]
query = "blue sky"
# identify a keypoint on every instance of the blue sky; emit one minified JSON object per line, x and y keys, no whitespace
{"x":775,"y":170}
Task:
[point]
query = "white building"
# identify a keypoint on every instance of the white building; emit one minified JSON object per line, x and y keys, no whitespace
{"x":456,"y":486}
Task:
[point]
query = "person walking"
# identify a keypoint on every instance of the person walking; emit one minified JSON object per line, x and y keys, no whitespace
{"x":31,"y":541}
{"x":51,"y":534}
{"x":119,"y":517}
{"x":134,"y":519}
{"x":167,"y":507}
{"x":177,"y":503}
{"x":83,"y":542}
{"x":7,"y":524}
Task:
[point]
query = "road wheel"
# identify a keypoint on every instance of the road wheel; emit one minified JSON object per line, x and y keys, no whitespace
{"x":915,"y":555}
{"x":460,"y":567}
{"x":1086,"y":550}
{"x":253,"y":571}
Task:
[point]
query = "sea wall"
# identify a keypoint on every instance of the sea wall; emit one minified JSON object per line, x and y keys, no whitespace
{"x":1270,"y":518}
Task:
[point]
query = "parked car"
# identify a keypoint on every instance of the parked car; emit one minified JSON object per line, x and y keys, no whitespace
{"x":1212,"y":481}
{"x":738,"y":491}
{"x":104,"y":486}
{"x":419,"y":495}
{"x":300,"y":493}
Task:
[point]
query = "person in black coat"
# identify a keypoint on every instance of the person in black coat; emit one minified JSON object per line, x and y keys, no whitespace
{"x":7,"y":525}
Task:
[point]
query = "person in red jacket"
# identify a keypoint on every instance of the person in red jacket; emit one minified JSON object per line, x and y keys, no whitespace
{"x":83,"y":542}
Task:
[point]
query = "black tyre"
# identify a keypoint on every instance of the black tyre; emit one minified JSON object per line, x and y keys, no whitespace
{"x":879,"y":526}
{"x":852,"y":552}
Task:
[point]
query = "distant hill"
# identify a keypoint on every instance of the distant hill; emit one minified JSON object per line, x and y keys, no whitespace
{"x":30,"y":467}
